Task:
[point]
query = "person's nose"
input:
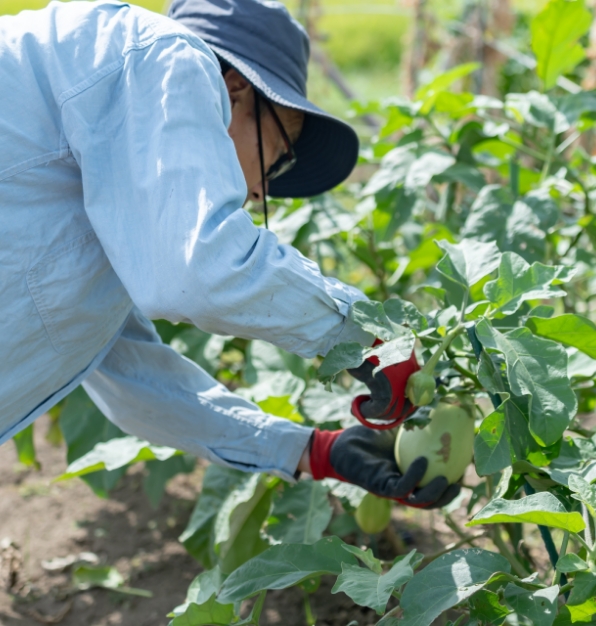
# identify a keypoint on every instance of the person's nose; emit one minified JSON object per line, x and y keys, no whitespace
{"x":256,"y":193}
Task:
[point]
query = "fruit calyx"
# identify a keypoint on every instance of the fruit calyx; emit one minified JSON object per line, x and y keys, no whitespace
{"x":420,"y":389}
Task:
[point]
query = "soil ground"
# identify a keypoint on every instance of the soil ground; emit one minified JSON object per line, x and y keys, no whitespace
{"x":48,"y":520}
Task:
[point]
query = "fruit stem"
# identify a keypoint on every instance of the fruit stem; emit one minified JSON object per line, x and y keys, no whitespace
{"x":429,"y":366}
{"x":311,"y":620}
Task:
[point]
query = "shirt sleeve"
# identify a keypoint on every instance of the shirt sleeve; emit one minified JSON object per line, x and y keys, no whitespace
{"x":163,"y":190}
{"x":150,"y":391}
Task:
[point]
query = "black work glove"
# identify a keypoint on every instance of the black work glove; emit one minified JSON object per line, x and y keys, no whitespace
{"x":387,"y":400}
{"x":365,"y":457}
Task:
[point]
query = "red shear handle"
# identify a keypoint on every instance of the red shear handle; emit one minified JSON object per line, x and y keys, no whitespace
{"x":357,"y":401}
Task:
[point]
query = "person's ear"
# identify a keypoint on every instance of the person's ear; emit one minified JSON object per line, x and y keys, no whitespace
{"x":239,"y":89}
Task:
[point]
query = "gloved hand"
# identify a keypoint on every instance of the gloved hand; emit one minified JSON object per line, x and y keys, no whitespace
{"x":387,"y":399}
{"x":365,"y":457}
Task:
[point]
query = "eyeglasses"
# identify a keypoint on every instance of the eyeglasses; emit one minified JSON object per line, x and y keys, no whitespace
{"x":287,"y":160}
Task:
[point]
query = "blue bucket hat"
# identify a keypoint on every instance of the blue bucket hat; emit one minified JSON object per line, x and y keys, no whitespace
{"x":261,"y":40}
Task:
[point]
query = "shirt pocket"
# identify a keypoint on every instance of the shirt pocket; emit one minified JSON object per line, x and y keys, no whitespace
{"x":79,"y":296}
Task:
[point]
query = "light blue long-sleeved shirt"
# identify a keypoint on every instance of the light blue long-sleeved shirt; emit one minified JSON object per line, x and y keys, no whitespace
{"x":120,"y":201}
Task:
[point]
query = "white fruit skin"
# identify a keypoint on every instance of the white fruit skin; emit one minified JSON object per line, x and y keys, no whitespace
{"x":428,"y":442}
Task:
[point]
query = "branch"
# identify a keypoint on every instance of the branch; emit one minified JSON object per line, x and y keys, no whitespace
{"x":468,"y":539}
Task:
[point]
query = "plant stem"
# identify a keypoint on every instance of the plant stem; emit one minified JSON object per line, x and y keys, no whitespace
{"x":430,"y":365}
{"x":519,"y":569}
{"x":490,"y":487}
{"x":460,"y":619}
{"x":588,"y":529}
{"x":565,"y":588}
{"x":573,"y":243}
{"x":454,"y":527}
{"x":311,"y":620}
{"x":565,"y":144}
{"x":557,"y":576}
{"x":257,"y":609}
{"x":549,"y":158}
{"x":522,"y":148}
{"x":465,"y":372}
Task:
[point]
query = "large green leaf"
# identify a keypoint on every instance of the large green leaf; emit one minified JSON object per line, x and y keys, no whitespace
{"x":464,"y":264}
{"x":573,"y":105}
{"x":447,"y":581}
{"x":507,"y":430}
{"x":277,"y":394}
{"x":581,"y":614}
{"x":346,"y":492}
{"x":536,"y":109}
{"x":571,"y":563}
{"x":583,"y":491}
{"x":404,"y":313}
{"x":393,"y":171}
{"x":584,"y":588}
{"x":277,"y":384}
{"x":540,"y":606}
{"x":160,"y":472}
{"x":199,"y":536}
{"x":463,"y":173}
{"x":209,"y":613}
{"x":115,"y":454}
{"x":535,"y":367}
{"x":341,"y":357}
{"x":570,"y":329}
{"x":262,"y":359}
{"x":324,"y":407}
{"x":200,"y":347}
{"x":25,"y":446}
{"x":202,"y":588}
{"x":556,"y":31}
{"x":486,"y":608}
{"x":426,"y":166}
{"x":518,"y":281}
{"x":428,"y":94}
{"x":368,"y":588}
{"x":83,"y":426}
{"x":516,"y":226}
{"x":328,"y":218}
{"x":539,"y":508}
{"x":238,"y":524}
{"x":492,"y":447}
{"x":301,"y":513}
{"x":285,"y":565}
{"x":395,"y":351}
{"x":371,"y":317}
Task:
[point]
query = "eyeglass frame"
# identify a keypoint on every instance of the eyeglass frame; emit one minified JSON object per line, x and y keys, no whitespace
{"x":278,"y":170}
{"x":287,"y":160}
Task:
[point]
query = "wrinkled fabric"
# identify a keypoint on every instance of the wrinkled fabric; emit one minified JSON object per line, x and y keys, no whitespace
{"x":120,"y":188}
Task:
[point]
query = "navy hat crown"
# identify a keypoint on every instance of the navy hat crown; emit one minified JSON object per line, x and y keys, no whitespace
{"x":262,"y":41}
{"x":262,"y":30}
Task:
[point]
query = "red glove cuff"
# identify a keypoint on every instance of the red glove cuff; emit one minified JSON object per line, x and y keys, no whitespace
{"x":397,"y":375}
{"x":320,"y":454}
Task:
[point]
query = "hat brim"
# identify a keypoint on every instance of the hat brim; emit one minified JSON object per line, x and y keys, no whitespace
{"x":327,"y":149}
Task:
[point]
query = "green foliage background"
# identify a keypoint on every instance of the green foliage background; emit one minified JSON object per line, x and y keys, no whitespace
{"x":471,"y":226}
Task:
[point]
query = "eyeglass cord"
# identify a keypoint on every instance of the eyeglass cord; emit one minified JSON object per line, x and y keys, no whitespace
{"x":261,"y":159}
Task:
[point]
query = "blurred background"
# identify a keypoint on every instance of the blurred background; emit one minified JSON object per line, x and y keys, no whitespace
{"x":372,"y":49}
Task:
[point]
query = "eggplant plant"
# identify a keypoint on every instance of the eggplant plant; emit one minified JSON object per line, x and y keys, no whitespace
{"x":475,"y":240}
